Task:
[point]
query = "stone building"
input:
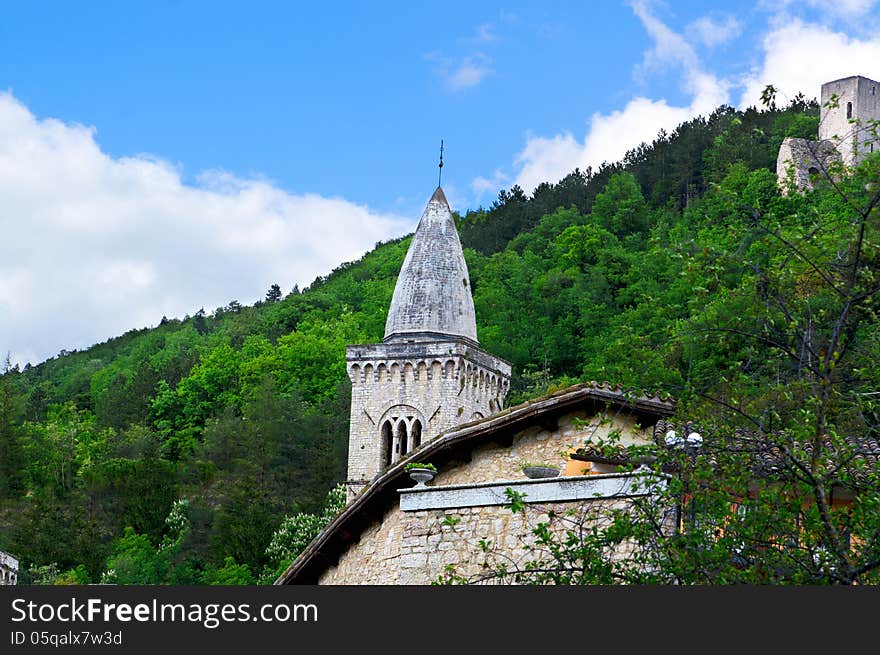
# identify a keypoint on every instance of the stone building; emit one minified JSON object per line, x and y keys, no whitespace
{"x":429,"y":394}
{"x":848,"y":130}
{"x":397,"y":533}
{"x":847,"y":123}
{"x":802,"y":161}
{"x":8,"y":569}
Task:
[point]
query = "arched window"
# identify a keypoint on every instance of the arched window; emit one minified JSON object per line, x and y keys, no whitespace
{"x":400,"y":441}
{"x":812,"y":170}
{"x":387,"y":443}
{"x":416,"y":435}
{"x":400,"y":433}
{"x":849,"y":110}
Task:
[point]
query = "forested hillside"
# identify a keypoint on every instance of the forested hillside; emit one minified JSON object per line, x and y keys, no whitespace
{"x":171,"y":455}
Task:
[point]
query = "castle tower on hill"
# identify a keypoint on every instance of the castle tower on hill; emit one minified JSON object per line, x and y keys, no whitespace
{"x":429,"y":374}
{"x":847,"y":133}
{"x":848,"y":124}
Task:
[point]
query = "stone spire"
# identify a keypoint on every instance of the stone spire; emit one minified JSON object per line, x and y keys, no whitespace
{"x":432,"y":298}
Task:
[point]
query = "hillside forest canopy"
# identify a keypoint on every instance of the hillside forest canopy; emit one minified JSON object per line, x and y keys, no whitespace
{"x":211,"y":448}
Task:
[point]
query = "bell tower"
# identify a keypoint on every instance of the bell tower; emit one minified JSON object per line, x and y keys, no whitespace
{"x":429,"y":374}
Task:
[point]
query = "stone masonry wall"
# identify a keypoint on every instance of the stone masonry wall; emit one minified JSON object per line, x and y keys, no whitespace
{"x":800,"y":161}
{"x":415,"y":547}
{"x":420,"y":547}
{"x":375,"y":558}
{"x":490,"y":462}
{"x":440,"y":542}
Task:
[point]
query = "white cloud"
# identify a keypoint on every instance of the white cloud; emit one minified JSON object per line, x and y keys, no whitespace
{"x":461,"y":73}
{"x":608,"y":139}
{"x":711,"y":32}
{"x":832,"y":8}
{"x":92,"y":246}
{"x":610,"y":136}
{"x":670,"y":48}
{"x":848,"y":8}
{"x":799,"y":57}
{"x":486,"y":33}
{"x":480,"y":186}
{"x":469,"y":72}
{"x":470,"y":66}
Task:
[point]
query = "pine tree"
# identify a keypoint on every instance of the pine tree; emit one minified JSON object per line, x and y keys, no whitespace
{"x":273,"y":294}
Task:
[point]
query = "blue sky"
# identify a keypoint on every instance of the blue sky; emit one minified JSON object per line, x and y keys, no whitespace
{"x":158,"y":157}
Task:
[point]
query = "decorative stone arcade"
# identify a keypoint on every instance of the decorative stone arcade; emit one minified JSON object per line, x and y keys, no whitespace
{"x":429,"y":374}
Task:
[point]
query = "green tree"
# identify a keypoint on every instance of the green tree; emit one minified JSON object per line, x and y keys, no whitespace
{"x":297,"y":531}
{"x":621,"y":208}
{"x":135,"y":560}
{"x":274,"y":293}
{"x":243,"y":526}
{"x":199,"y":322}
{"x":229,"y":574}
{"x":12,"y":464}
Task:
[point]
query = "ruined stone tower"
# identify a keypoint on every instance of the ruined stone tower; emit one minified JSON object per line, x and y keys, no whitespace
{"x":848,"y":124}
{"x":847,"y":133}
{"x":429,"y":374}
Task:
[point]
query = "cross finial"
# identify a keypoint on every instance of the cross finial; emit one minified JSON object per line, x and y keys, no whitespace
{"x":440,"y":174}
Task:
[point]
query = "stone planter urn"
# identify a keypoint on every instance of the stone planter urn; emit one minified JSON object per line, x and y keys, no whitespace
{"x":645,"y":462}
{"x":421,"y":476}
{"x":540,"y":471}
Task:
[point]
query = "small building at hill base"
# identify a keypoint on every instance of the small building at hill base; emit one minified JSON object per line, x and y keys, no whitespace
{"x":8,"y":569}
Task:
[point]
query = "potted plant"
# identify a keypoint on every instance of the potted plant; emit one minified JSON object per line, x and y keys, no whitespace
{"x":421,"y":472}
{"x":539,"y":469}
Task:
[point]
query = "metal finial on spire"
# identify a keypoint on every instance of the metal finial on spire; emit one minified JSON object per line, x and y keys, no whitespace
{"x":440,"y":174}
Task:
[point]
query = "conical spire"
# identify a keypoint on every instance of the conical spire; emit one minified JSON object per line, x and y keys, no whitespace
{"x":432,"y":297}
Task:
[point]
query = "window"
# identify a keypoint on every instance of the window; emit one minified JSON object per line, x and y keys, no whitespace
{"x":416,"y":437}
{"x":400,"y":434}
{"x":849,"y":110}
{"x":400,"y":447}
{"x":387,"y":443}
